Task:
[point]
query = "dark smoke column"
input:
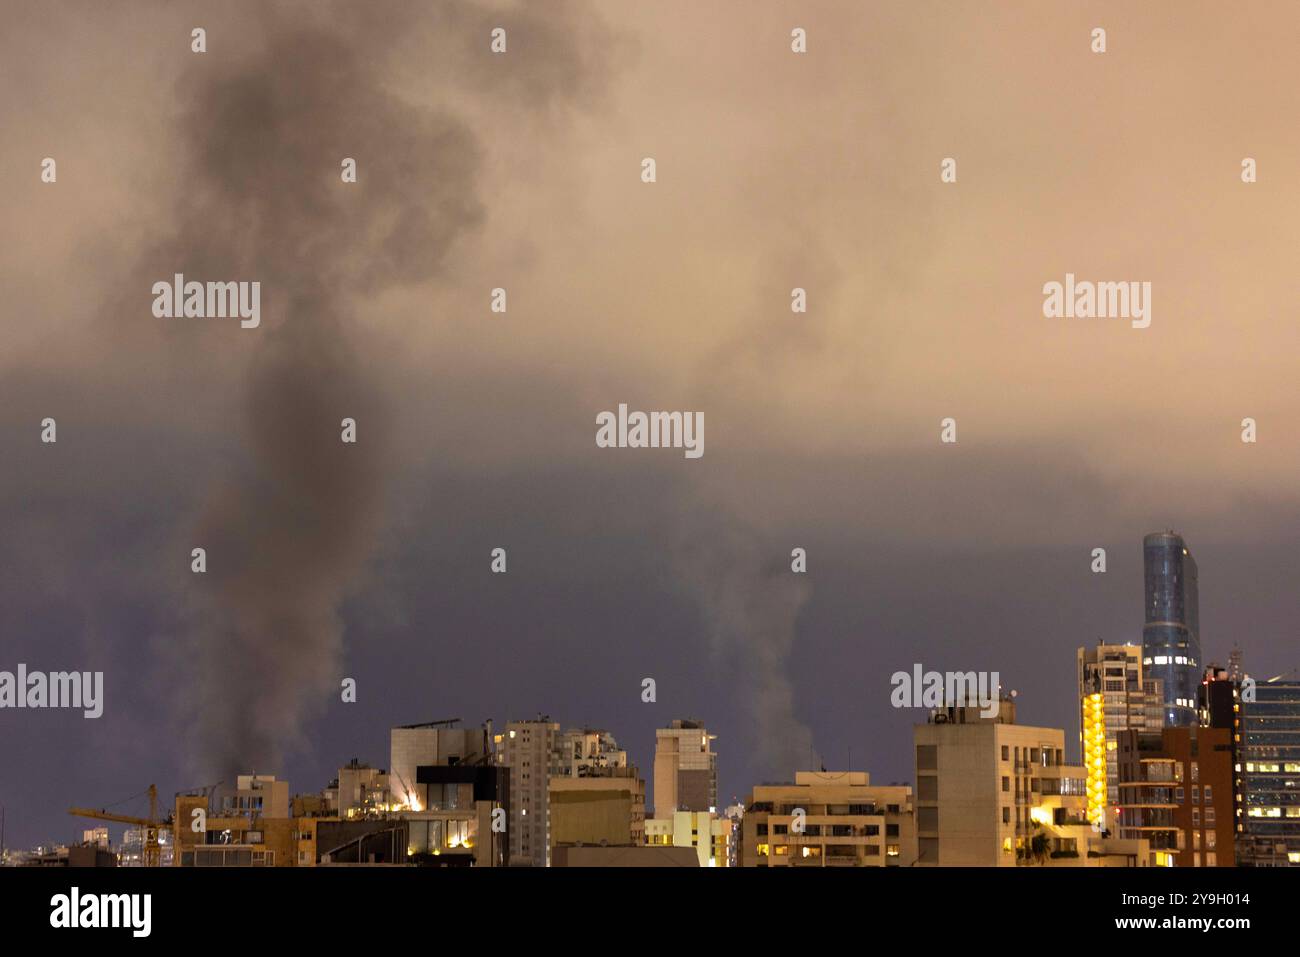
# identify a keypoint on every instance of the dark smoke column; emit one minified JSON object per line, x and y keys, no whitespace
{"x":289,"y":529}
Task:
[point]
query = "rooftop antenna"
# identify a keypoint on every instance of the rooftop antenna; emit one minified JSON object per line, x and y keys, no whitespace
{"x":1234,"y":663}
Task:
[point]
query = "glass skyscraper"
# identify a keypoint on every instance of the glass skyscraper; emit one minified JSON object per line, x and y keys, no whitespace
{"x":1171,"y":635}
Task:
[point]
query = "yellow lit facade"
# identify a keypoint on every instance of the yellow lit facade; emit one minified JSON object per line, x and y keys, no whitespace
{"x":708,"y":834}
{"x":1094,"y":755}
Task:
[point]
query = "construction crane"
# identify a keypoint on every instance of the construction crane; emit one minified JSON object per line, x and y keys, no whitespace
{"x":150,"y":826}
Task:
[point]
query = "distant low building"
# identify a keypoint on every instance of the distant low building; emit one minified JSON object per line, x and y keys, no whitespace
{"x":828,"y":819}
{"x":605,"y":808}
{"x":363,"y":791}
{"x":709,"y":835}
{"x":583,"y":855}
{"x":78,"y":855}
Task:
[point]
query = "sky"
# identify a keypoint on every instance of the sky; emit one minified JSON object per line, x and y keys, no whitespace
{"x":476,"y":430}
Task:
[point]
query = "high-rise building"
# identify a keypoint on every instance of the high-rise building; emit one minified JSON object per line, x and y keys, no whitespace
{"x":686,"y":769}
{"x":1176,"y":793}
{"x":1268,"y":762}
{"x":536,"y":752}
{"x":828,"y":819}
{"x":1114,"y":696}
{"x":1171,"y":633}
{"x":532,"y":751}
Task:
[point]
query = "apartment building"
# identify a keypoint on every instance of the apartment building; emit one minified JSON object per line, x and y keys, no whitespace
{"x":1114,"y":695}
{"x":992,"y":793}
{"x":710,"y":835}
{"x":828,"y":819}
{"x":532,"y":751}
{"x":604,"y":807}
{"x":1176,"y":792}
{"x":686,"y":769}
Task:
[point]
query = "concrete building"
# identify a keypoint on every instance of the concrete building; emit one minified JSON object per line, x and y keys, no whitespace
{"x":254,"y":796}
{"x":1114,"y":696}
{"x":248,"y":826}
{"x":78,"y":855}
{"x":588,"y":856}
{"x":710,"y":835}
{"x":361,"y":842}
{"x":686,"y":769}
{"x":362,"y":791}
{"x":992,"y":793}
{"x":582,"y":749}
{"x":454,"y":825}
{"x":605,"y":807}
{"x":1268,"y":764}
{"x":828,"y":819}
{"x":1176,"y":793}
{"x":531,"y":750}
{"x":432,"y":743}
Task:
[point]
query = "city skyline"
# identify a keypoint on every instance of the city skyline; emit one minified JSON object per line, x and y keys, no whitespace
{"x":631,"y":746}
{"x":838,"y":265}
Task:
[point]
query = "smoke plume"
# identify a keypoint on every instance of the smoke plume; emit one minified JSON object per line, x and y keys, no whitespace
{"x":751,"y":601}
{"x":289,"y":532}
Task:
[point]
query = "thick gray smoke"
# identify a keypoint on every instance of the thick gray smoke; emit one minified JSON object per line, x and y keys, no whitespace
{"x":289,"y":533}
{"x":751,"y":601}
